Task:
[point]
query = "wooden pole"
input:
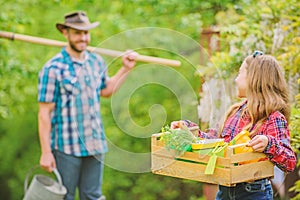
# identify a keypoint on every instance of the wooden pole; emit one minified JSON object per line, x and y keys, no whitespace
{"x":108,"y":52}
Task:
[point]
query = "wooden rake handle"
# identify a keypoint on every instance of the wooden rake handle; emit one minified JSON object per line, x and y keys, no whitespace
{"x":108,"y":52}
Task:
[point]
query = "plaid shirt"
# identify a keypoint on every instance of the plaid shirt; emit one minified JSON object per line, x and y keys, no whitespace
{"x":74,"y":86}
{"x":278,"y":150}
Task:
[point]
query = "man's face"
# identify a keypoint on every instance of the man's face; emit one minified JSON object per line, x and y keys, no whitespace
{"x":78,"y":40}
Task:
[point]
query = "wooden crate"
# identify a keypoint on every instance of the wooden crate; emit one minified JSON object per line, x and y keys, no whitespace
{"x":191,"y":165}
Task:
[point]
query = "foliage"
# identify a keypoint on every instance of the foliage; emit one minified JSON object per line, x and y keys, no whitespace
{"x":295,"y":139}
{"x":296,"y":189}
{"x":20,"y":63}
{"x":295,"y":129}
{"x":274,"y":30}
{"x":178,"y":139}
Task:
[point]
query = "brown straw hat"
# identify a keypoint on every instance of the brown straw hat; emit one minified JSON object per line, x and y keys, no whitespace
{"x":77,"y":20}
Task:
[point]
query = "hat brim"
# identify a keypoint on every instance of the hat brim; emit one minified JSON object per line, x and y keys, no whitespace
{"x":81,"y":27}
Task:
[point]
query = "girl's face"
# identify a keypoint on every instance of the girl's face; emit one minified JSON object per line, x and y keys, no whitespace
{"x":241,"y":81}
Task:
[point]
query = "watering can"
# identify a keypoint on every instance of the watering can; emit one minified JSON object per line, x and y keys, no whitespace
{"x":44,"y":187}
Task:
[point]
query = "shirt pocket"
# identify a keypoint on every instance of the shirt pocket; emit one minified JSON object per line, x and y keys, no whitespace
{"x":70,"y":85}
{"x":92,"y":81}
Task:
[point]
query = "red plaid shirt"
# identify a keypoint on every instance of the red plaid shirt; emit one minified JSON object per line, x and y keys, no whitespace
{"x":278,"y":150}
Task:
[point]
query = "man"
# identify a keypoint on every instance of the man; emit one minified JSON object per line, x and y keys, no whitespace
{"x":70,"y":127}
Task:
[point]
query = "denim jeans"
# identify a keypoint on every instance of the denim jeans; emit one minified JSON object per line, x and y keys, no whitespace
{"x":257,"y":190}
{"x":86,"y":173}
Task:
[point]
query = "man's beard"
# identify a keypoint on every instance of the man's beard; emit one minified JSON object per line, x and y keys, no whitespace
{"x":73,"y":47}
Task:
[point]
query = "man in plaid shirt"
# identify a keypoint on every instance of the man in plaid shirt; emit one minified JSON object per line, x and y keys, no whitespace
{"x":70,"y":127}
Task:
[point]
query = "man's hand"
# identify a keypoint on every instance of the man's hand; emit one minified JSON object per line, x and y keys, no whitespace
{"x":259,"y":143}
{"x":129,"y":59}
{"x":47,"y":161}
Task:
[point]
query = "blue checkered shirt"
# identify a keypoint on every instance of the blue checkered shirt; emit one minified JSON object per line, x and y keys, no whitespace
{"x":74,"y":86}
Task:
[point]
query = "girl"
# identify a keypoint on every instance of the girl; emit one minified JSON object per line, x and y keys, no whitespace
{"x":264,"y":113}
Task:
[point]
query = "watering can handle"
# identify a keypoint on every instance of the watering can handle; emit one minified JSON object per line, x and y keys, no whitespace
{"x":58,"y":177}
{"x":55,"y":171}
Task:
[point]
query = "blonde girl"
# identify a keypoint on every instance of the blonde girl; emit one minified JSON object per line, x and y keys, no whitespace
{"x":264,"y":112}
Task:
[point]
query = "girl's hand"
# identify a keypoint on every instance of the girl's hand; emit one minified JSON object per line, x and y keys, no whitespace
{"x":175,"y":124}
{"x":259,"y":143}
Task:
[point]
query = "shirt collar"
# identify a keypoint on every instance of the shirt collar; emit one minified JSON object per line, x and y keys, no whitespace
{"x":74,"y":60}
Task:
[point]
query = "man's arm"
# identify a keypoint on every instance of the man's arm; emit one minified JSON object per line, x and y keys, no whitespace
{"x":47,"y":160}
{"x":113,"y":84}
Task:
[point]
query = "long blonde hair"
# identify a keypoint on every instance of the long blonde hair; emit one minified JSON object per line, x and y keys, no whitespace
{"x":267,"y":91}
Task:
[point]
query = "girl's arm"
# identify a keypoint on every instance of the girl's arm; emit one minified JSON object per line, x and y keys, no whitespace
{"x":209,"y":134}
{"x":279,"y":149}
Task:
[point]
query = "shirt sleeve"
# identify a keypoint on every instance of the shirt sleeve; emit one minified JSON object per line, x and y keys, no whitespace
{"x":279,"y":150}
{"x":104,"y":79}
{"x":47,"y":85}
